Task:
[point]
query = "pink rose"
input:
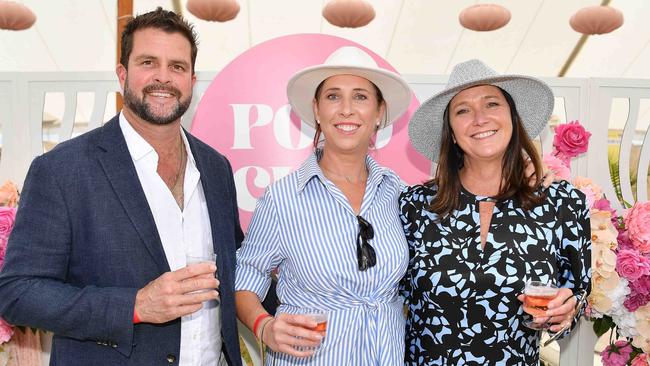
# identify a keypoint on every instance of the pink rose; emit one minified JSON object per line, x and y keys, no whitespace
{"x":623,"y":240}
{"x":589,"y":188}
{"x":603,"y":204}
{"x":571,"y":139}
{"x":631,"y":265}
{"x":7,"y":218}
{"x":640,"y":286}
{"x":616,"y":354}
{"x":640,"y":360}
{"x":6,"y":331}
{"x":637,"y":224}
{"x":3,"y":250}
{"x":632,"y":303}
{"x":561,"y":171}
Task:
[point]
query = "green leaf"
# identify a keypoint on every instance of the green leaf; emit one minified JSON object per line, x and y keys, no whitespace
{"x":635,"y":352}
{"x":602,"y":325}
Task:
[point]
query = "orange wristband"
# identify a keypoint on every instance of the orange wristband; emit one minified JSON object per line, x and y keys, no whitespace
{"x":136,"y":319}
{"x":258,"y":320}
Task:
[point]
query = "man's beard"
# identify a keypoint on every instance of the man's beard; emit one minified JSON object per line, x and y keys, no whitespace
{"x":144,"y":110}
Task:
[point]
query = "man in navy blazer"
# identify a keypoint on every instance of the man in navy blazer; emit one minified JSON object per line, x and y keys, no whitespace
{"x":95,"y":257}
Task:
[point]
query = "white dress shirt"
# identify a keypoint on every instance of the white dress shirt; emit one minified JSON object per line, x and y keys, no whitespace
{"x":182,"y":233}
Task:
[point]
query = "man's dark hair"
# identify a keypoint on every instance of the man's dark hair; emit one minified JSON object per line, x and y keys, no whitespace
{"x":165,"y":20}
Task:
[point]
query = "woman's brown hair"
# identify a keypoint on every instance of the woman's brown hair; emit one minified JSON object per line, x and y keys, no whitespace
{"x":515,"y":184}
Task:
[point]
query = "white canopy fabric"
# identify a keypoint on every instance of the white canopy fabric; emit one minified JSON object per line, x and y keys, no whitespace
{"x":415,"y":36}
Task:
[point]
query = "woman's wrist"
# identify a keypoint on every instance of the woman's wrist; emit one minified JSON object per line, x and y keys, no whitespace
{"x":263,"y":328}
{"x":258,"y":321}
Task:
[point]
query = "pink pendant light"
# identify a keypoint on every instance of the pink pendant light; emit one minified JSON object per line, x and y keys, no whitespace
{"x":484,"y":17}
{"x":14,"y":16}
{"x":213,"y":10}
{"x":596,"y":20}
{"x":349,"y":13}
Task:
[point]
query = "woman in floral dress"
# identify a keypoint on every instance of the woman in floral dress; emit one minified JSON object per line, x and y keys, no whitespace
{"x":479,"y":231}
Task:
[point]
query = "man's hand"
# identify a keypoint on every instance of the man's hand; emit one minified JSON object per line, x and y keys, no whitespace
{"x":171,"y":296}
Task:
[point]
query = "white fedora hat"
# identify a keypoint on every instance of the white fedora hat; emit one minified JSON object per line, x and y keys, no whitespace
{"x":533,"y":99}
{"x":348,"y":61}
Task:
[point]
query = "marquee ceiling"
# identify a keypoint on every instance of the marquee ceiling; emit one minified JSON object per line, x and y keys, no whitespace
{"x":415,"y":36}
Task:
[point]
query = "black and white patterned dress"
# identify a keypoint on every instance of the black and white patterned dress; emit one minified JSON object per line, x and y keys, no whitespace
{"x":462,"y":299}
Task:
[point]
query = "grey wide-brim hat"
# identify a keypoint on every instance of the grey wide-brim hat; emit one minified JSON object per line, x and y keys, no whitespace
{"x":348,"y":60}
{"x":533,"y":98}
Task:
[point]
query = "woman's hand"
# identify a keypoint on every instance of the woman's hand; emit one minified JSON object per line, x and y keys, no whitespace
{"x":560,"y":310}
{"x":292,"y":334}
{"x":547,"y":178}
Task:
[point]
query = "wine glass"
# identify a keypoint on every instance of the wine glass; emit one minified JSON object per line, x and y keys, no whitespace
{"x":204,"y":258}
{"x":321,"y":326}
{"x":538,"y":295}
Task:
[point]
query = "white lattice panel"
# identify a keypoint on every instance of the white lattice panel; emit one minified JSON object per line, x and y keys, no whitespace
{"x":23,"y":95}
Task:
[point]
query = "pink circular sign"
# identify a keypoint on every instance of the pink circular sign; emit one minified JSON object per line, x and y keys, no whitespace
{"x":244,"y":114}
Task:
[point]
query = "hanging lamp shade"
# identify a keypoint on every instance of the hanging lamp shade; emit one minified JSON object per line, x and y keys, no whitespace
{"x":15,"y":16}
{"x":596,"y":20}
{"x":484,"y":17}
{"x":349,"y":13}
{"x":213,"y":10}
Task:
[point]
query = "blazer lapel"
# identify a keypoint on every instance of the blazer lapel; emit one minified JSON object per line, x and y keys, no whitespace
{"x":113,"y":154}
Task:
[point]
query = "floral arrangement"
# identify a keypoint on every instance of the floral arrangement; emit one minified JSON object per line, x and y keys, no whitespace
{"x":8,"y":202}
{"x":620,"y":294}
{"x":571,"y":139}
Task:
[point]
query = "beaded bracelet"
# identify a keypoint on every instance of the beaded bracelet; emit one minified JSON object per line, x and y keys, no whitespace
{"x":262,"y":353}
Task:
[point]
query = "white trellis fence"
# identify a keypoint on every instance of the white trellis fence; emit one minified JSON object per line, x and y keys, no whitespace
{"x":598,"y":103}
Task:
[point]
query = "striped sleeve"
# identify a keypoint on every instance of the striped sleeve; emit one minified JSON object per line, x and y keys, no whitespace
{"x":260,"y":251}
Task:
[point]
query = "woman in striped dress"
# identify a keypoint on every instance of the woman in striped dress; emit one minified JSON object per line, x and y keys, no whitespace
{"x":332,"y":227}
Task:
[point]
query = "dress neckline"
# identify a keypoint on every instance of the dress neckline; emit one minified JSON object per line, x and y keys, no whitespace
{"x":476,"y":197}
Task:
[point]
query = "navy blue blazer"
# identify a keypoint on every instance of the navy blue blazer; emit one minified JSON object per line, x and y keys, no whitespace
{"x":85,"y":241}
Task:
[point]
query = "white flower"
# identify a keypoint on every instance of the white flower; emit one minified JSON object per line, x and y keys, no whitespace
{"x":626,"y":323}
{"x":617,"y":295}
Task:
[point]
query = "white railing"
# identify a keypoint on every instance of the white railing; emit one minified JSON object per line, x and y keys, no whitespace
{"x":23,"y":101}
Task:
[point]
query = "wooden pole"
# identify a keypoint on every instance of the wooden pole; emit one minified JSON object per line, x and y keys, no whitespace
{"x":576,"y":50}
{"x":124,"y":15}
{"x":178,"y":8}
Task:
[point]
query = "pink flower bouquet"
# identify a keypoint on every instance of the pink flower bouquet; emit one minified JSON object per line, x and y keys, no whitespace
{"x":617,"y":354}
{"x":570,"y":140}
{"x":620,"y":255}
{"x":8,"y":201}
{"x":620,"y":295}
